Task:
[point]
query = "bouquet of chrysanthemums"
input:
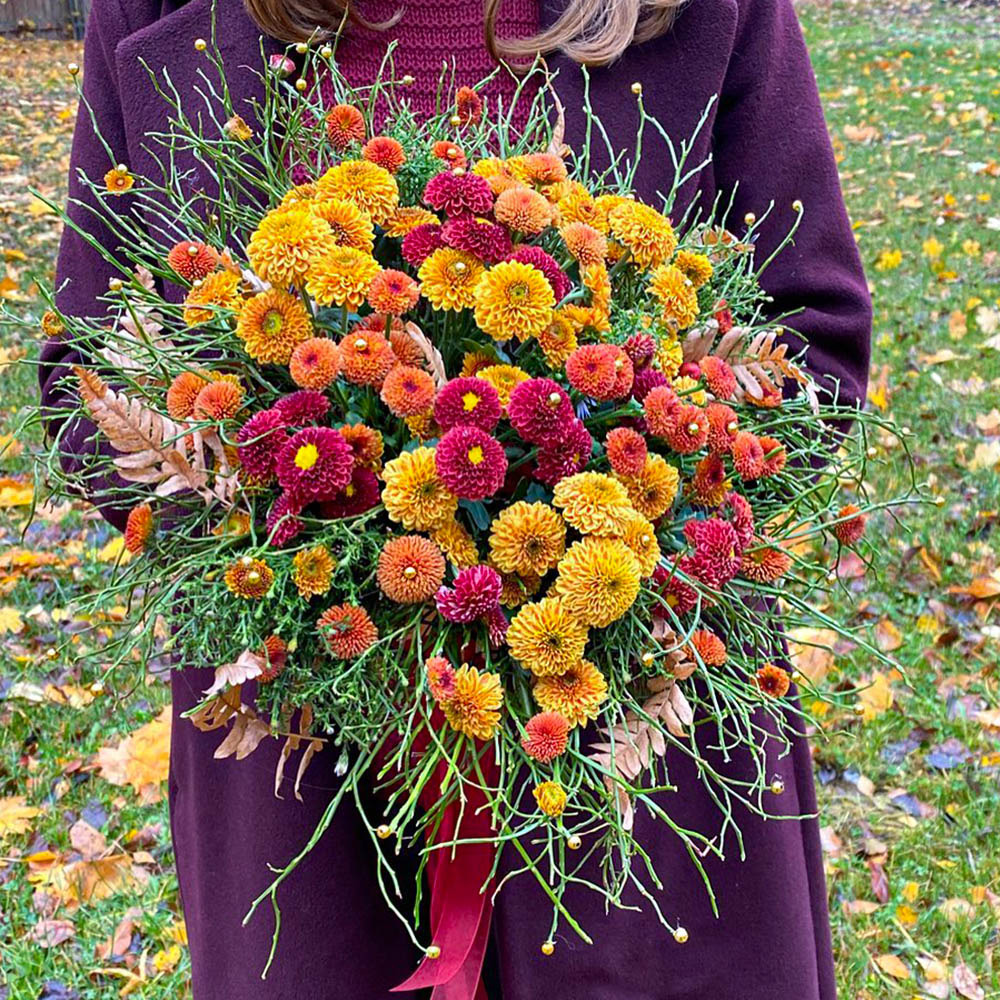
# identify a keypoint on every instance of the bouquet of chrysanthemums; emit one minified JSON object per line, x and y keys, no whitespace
{"x":497,"y":484}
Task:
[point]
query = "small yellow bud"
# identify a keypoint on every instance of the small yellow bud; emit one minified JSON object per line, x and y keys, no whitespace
{"x":302,"y":48}
{"x":433,"y":951}
{"x":200,"y":44}
{"x":680,"y":935}
{"x":797,"y":205}
{"x":636,"y":88}
{"x":300,"y":84}
{"x":455,"y":121}
{"x":548,"y":947}
{"x":408,"y":80}
{"x":410,"y":572}
{"x":326,"y":52}
{"x":647,"y":659}
{"x":777,"y":786}
{"x":383,"y":832}
{"x":574,"y":842}
{"x":73,"y":69}
{"x":872,"y":452}
{"x":750,"y":218}
{"x":116,"y":284}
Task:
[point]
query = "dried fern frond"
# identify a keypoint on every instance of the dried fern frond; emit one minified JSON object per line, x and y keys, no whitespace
{"x":434,"y":360}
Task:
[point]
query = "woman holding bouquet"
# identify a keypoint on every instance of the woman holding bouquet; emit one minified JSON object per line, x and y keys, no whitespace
{"x":767,"y":141}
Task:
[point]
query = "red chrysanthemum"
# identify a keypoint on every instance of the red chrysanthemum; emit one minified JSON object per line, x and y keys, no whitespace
{"x":347,"y":630}
{"x":709,"y":484}
{"x":393,"y":292}
{"x":314,"y":464}
{"x":624,"y":373}
{"x":591,"y":370}
{"x":420,"y":242}
{"x":304,"y":407}
{"x":468,"y":401}
{"x":626,"y":450}
{"x":366,"y":357}
{"x":775,"y":456}
{"x":568,"y":458}
{"x":138,"y":528}
{"x":470,"y":462}
{"x":717,"y":553}
{"x":645,"y":380}
{"x":722,"y":427}
{"x":468,"y":106}
{"x":660,"y":407}
{"x":765,"y":561}
{"x":259,"y":441}
{"x":709,"y":647}
{"x":459,"y":194}
{"x":772,"y":681}
{"x":737,"y":511}
{"x":315,"y":363}
{"x":440,"y":678}
{"x":546,"y":263}
{"x":483,"y":239}
{"x":408,"y":391}
{"x":283,"y":522}
{"x":360,"y":494}
{"x":410,"y":569}
{"x":192,"y":261}
{"x":275,"y":656}
{"x":689,"y":431}
{"x":723,"y":316}
{"x":748,"y":455}
{"x":678,"y":595}
{"x":344,"y":124}
{"x":474,"y":595}
{"x":445,"y":150}
{"x":385,"y":152}
{"x":540,"y":411}
{"x":546,"y":736}
{"x":641,"y":349}
{"x":718,"y":377}
{"x":851,"y":524}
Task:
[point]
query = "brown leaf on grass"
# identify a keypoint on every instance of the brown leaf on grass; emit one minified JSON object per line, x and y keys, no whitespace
{"x":50,"y":933}
{"x":16,"y":815}
{"x":84,"y":881}
{"x":879,"y":881}
{"x":87,"y":842}
{"x":892,"y":965}
{"x":114,"y":948}
{"x":811,"y":652}
{"x":982,"y":587}
{"x":141,"y":759}
{"x":966,"y":983}
{"x":876,"y":698}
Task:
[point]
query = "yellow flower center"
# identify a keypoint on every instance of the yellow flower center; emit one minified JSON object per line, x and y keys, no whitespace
{"x":476,"y":455}
{"x":470,"y":401}
{"x":518,"y":291}
{"x":307,"y":456}
{"x":349,"y":490}
{"x":273,"y":322}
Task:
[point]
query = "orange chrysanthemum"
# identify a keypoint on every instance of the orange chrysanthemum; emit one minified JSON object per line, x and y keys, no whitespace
{"x":440,"y":676}
{"x":410,"y":569}
{"x":513,"y":299}
{"x":546,"y":638}
{"x":527,"y":538}
{"x":576,"y":694}
{"x":275,"y":655}
{"x":407,"y":218}
{"x":695,"y":266}
{"x":406,"y":349}
{"x":349,"y":225}
{"x":598,"y":580}
{"x":457,"y":544}
{"x":772,"y":681}
{"x":287,"y":242}
{"x":393,"y":292}
{"x":593,"y":503}
{"x":366,"y":357}
{"x":312,"y":571}
{"x":765,"y":561}
{"x":851,"y":524}
{"x":448,"y":279}
{"x":645,"y":233}
{"x":207,"y":297}
{"x":709,"y":647}
{"x":366,"y":443}
{"x":676,"y":295}
{"x":475,"y":361}
{"x":182,"y":393}
{"x":640,"y":536}
{"x":414,"y":495}
{"x":342,"y":277}
{"x":515,"y":590}
{"x":408,"y":391}
{"x":138,"y":528}
{"x":314,"y":363}
{"x":271,"y":325}
{"x":347,"y":631}
{"x":473,"y":708}
{"x":709,"y":485}
{"x":371,"y":187}
{"x":585,"y":244}
{"x":344,"y":124}
{"x":654,"y":489}
{"x":445,"y":150}
{"x":546,"y":736}
{"x":551,"y":798}
{"x":118,"y":180}
{"x":192,"y":261}
{"x":558,"y":340}
{"x":578,"y":205}
{"x":217,"y":401}
{"x":385,"y":152}
{"x":468,"y":106}
{"x":249,"y":579}
{"x":522,"y":210}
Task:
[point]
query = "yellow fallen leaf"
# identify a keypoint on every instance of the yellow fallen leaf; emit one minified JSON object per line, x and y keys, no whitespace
{"x":10,"y":621}
{"x":805,"y":647}
{"x":876,"y":698}
{"x":945,"y":355}
{"x":985,"y":456}
{"x":38,"y":207}
{"x":141,"y":759}
{"x":16,"y":815}
{"x":15,"y":493}
{"x":906,"y":915}
{"x":893,"y":966}
{"x":114,"y":551}
{"x":911,"y":890}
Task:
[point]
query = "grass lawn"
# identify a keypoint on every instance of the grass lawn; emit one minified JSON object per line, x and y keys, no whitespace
{"x":908,"y":779}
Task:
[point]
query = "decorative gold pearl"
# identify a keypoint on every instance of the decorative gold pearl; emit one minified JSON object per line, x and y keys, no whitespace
{"x":193,"y":250}
{"x":555,"y":398}
{"x":645,"y":540}
{"x":73,"y":69}
{"x":455,"y":121}
{"x":410,"y":572}
{"x":647,"y":658}
{"x":302,"y":48}
{"x":200,"y":44}
{"x":574,"y":842}
{"x":548,"y":947}
{"x":733,"y":426}
{"x":939,"y":501}
{"x":408,"y":80}
{"x":459,"y":171}
{"x":872,"y":452}
{"x":831,"y":577}
{"x":636,"y":88}
{"x":459,"y":267}
{"x":777,"y":786}
{"x":246,"y":560}
{"x":300,"y":85}
{"x":253,"y":576}
{"x":51,"y":653}
{"x":749,"y":218}
{"x":693,"y":428}
{"x":383,"y":832}
{"x":116,"y":284}
{"x":681,"y":935}
{"x":360,"y":344}
{"x":859,"y":709}
{"x":326,"y":52}
{"x":619,"y":364}
{"x":433,"y":951}
{"x":797,"y":205}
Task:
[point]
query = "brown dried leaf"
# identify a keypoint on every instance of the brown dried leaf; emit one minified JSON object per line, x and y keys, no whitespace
{"x":246,"y":666}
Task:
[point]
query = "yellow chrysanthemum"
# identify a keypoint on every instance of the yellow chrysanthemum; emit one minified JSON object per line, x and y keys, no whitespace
{"x":644,"y":232}
{"x":598,"y":580}
{"x":527,"y":538}
{"x":287,"y":242}
{"x":696,"y":266}
{"x":669,"y":355}
{"x":312,"y":571}
{"x":503,"y":378}
{"x":515,"y":589}
{"x":558,"y":340}
{"x":350,"y":226}
{"x":640,"y":536}
{"x":576,"y":694}
{"x":414,"y":495}
{"x":514,"y":299}
{"x":546,"y":638}
{"x":249,"y":579}
{"x":595,"y":278}
{"x":653,"y":490}
{"x":448,"y":279}
{"x":457,"y":544}
{"x":593,"y":503}
{"x":299,"y":193}
{"x":676,"y":294}
{"x":271,"y":324}
{"x":473,"y":362}
{"x":551,"y":798}
{"x":406,"y":218}
{"x":220,"y":290}
{"x":371,"y":187}
{"x":578,"y":205}
{"x":689,"y":389}
{"x":473,"y":707}
{"x":423,"y":426}
{"x":342,"y":277}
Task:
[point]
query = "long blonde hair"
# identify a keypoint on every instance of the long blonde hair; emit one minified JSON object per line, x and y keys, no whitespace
{"x":591,"y":32}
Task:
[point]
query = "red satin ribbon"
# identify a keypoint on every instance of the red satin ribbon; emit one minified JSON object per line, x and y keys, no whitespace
{"x":460,"y":913}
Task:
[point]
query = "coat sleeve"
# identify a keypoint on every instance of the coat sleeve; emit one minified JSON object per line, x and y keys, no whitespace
{"x":82,"y":274}
{"x":771,"y":143}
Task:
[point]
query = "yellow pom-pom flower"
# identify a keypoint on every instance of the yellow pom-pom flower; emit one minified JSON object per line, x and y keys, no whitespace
{"x":546,"y":638}
{"x":213,"y":293}
{"x":448,"y":279}
{"x":414,"y":495}
{"x":503,"y":378}
{"x":676,"y":295}
{"x":645,"y":233}
{"x":640,"y":536}
{"x":551,"y":798}
{"x":593,"y":503}
{"x":287,"y":242}
{"x":312,"y":571}
{"x":514,"y":299}
{"x":371,"y":187}
{"x":654,"y":489}
{"x":598,"y":580}
{"x":473,"y":707}
{"x":576,"y":695}
{"x":271,"y":325}
{"x":342,"y":277}
{"x":696,"y":266}
{"x":527,"y":538}
{"x":350,"y":226}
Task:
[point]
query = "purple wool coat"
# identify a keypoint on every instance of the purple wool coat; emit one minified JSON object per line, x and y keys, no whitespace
{"x":338,"y":939}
